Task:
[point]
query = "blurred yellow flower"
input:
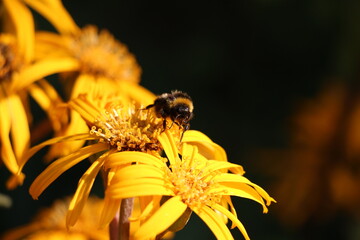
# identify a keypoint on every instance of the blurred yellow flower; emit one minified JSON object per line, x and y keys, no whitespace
{"x":49,"y":224}
{"x":18,"y":70}
{"x":94,"y":62}
{"x":192,"y":182}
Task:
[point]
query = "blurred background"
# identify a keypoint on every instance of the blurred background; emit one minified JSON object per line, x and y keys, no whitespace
{"x":274,"y":82}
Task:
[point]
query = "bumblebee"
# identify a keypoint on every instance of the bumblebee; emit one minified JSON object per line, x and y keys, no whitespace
{"x":177,"y":106}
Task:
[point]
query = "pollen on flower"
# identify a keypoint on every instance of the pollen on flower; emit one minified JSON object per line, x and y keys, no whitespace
{"x":130,"y":129}
{"x":100,"y":54}
{"x":10,"y":60}
{"x":193,"y":185}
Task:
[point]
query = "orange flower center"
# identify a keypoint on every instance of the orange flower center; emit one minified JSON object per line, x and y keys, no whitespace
{"x":10,"y":60}
{"x":100,"y":54}
{"x":130,"y":129}
{"x":192,"y":185}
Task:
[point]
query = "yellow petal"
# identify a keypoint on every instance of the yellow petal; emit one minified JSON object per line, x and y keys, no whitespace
{"x":7,"y":153}
{"x":24,"y":25}
{"x":40,"y":97}
{"x":214,"y":165}
{"x":85,"y":108}
{"x":232,"y":208}
{"x":233,"y":219}
{"x":148,"y":204}
{"x":60,"y":166}
{"x":138,"y":171}
{"x":76,"y":126}
{"x":56,"y":14}
{"x":49,"y":90}
{"x":136,"y":92}
{"x":41,"y":69}
{"x":50,"y":45}
{"x":35,"y":149}
{"x":206,"y":146}
{"x":15,"y":180}
{"x":216,"y":225}
{"x":240,"y":179}
{"x":244,"y":191}
{"x":121,"y":158}
{"x":168,"y":143}
{"x":138,"y":187}
{"x":83,"y":190}
{"x":20,"y":131}
{"x":162,"y":219}
{"x":110,"y":209}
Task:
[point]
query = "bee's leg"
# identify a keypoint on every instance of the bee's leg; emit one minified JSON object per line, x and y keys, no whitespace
{"x":148,"y":107}
{"x":164,"y":125}
{"x":186,"y":127}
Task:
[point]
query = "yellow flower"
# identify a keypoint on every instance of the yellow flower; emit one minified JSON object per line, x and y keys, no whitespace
{"x":95,"y":62}
{"x":49,"y":224}
{"x":189,"y":179}
{"x":113,"y":128}
{"x":17,"y":71}
{"x":95,"y":56}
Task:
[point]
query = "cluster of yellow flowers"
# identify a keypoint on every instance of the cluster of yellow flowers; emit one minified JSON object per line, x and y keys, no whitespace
{"x":154,"y":178}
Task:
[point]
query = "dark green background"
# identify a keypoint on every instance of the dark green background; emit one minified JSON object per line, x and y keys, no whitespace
{"x":246,"y":64}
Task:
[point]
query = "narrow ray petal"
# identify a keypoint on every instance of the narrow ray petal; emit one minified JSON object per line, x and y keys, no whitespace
{"x":244,"y":191}
{"x":58,"y":167}
{"x":85,"y":108}
{"x":111,"y":207}
{"x":139,"y":171}
{"x":240,"y":179}
{"x":120,"y":158}
{"x":35,"y":149}
{"x":7,"y":153}
{"x":138,"y":187}
{"x":215,"y":165}
{"x":216,"y":225}
{"x":171,"y":210}
{"x":83,"y":190}
{"x":24,"y":25}
{"x":20,"y":131}
{"x":233,"y":219}
{"x":55,"y":13}
{"x":205,"y":145}
{"x":168,"y":143}
{"x":41,"y":69}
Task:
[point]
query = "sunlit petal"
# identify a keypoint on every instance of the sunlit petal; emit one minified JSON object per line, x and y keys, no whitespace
{"x":83,"y":190}
{"x":232,"y":178}
{"x":244,"y":191}
{"x":121,"y":158}
{"x":139,"y":171}
{"x":214,"y":165}
{"x":205,"y":145}
{"x":138,"y":187}
{"x":35,"y":149}
{"x":41,"y":69}
{"x":167,"y":142}
{"x":58,"y":167}
{"x":111,"y":207}
{"x":233,"y":219}
{"x":216,"y":225}
{"x":171,"y":210}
